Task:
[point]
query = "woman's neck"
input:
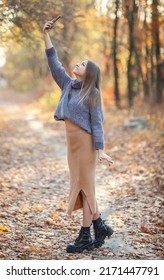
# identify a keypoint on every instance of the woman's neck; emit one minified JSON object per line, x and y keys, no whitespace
{"x":79,"y":78}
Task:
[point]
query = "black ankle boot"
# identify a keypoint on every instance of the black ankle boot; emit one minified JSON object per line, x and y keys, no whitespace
{"x":101,"y":230}
{"x":84,"y":241}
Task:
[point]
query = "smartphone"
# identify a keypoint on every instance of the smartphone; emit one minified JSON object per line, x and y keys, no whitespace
{"x":54,"y":20}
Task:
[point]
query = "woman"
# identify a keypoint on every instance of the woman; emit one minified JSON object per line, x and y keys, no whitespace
{"x":80,"y":107}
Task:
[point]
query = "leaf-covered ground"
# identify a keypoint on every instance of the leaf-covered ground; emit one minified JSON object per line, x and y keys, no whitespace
{"x":34,"y":184}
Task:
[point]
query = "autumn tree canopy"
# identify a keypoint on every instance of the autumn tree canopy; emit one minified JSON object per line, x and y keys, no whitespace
{"x":124,"y":37}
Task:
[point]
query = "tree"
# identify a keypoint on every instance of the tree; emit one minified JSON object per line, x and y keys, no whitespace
{"x":156,"y":47}
{"x":115,"y":64}
{"x":131,"y":9}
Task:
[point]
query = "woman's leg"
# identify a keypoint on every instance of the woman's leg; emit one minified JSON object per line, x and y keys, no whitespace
{"x":100,"y":228}
{"x":97,"y":214}
{"x":87,"y":214}
{"x":84,"y":240}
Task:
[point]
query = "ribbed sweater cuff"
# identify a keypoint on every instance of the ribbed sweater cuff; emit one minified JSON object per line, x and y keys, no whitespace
{"x":99,"y":146}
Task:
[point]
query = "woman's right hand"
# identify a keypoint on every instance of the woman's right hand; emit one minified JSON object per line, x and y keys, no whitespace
{"x":48,"y":26}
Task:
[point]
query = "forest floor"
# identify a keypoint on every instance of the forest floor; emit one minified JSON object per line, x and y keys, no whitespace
{"x":34,"y":184}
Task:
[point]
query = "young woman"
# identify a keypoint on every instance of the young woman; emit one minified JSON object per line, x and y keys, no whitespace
{"x":80,"y":107}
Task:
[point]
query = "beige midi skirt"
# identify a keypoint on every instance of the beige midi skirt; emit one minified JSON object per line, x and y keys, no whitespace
{"x":82,"y":159}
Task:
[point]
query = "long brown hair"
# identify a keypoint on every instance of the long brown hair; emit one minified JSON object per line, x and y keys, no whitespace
{"x":91,"y":90}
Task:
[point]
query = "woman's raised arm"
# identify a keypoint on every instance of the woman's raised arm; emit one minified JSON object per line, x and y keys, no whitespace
{"x":57,"y":70}
{"x":47,"y":27}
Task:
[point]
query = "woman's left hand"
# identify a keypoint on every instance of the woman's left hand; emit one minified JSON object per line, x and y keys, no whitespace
{"x":102,"y":156}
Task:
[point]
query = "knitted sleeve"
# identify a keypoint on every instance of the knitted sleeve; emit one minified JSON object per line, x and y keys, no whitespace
{"x":96,"y":117}
{"x":57,"y":70}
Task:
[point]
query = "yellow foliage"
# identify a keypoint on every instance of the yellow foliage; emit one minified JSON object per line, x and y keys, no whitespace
{"x":50,"y":100}
{"x":3,"y":228}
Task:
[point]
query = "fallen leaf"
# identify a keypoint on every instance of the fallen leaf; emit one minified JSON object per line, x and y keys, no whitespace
{"x":49,"y":221}
{"x":144,"y":229}
{"x":161,"y":228}
{"x":2,"y":228}
{"x":38,"y":207}
{"x":24,"y":207}
{"x":69,"y":258}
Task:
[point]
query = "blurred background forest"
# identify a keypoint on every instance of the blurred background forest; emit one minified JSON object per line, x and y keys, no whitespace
{"x":126,"y":38}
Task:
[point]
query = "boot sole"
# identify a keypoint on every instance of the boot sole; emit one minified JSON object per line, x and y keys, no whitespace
{"x":80,"y":250}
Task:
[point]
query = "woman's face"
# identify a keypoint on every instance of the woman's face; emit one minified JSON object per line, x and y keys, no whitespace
{"x":80,"y":69}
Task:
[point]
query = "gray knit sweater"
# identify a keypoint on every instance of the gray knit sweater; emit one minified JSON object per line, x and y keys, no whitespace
{"x":90,"y":119}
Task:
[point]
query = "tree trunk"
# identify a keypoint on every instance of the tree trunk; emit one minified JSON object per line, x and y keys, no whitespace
{"x":115,"y":64}
{"x":156,"y":43}
{"x":146,"y":79}
{"x":131,"y":9}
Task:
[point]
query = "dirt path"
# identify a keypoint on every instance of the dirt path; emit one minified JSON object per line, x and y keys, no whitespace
{"x":34,"y":183}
